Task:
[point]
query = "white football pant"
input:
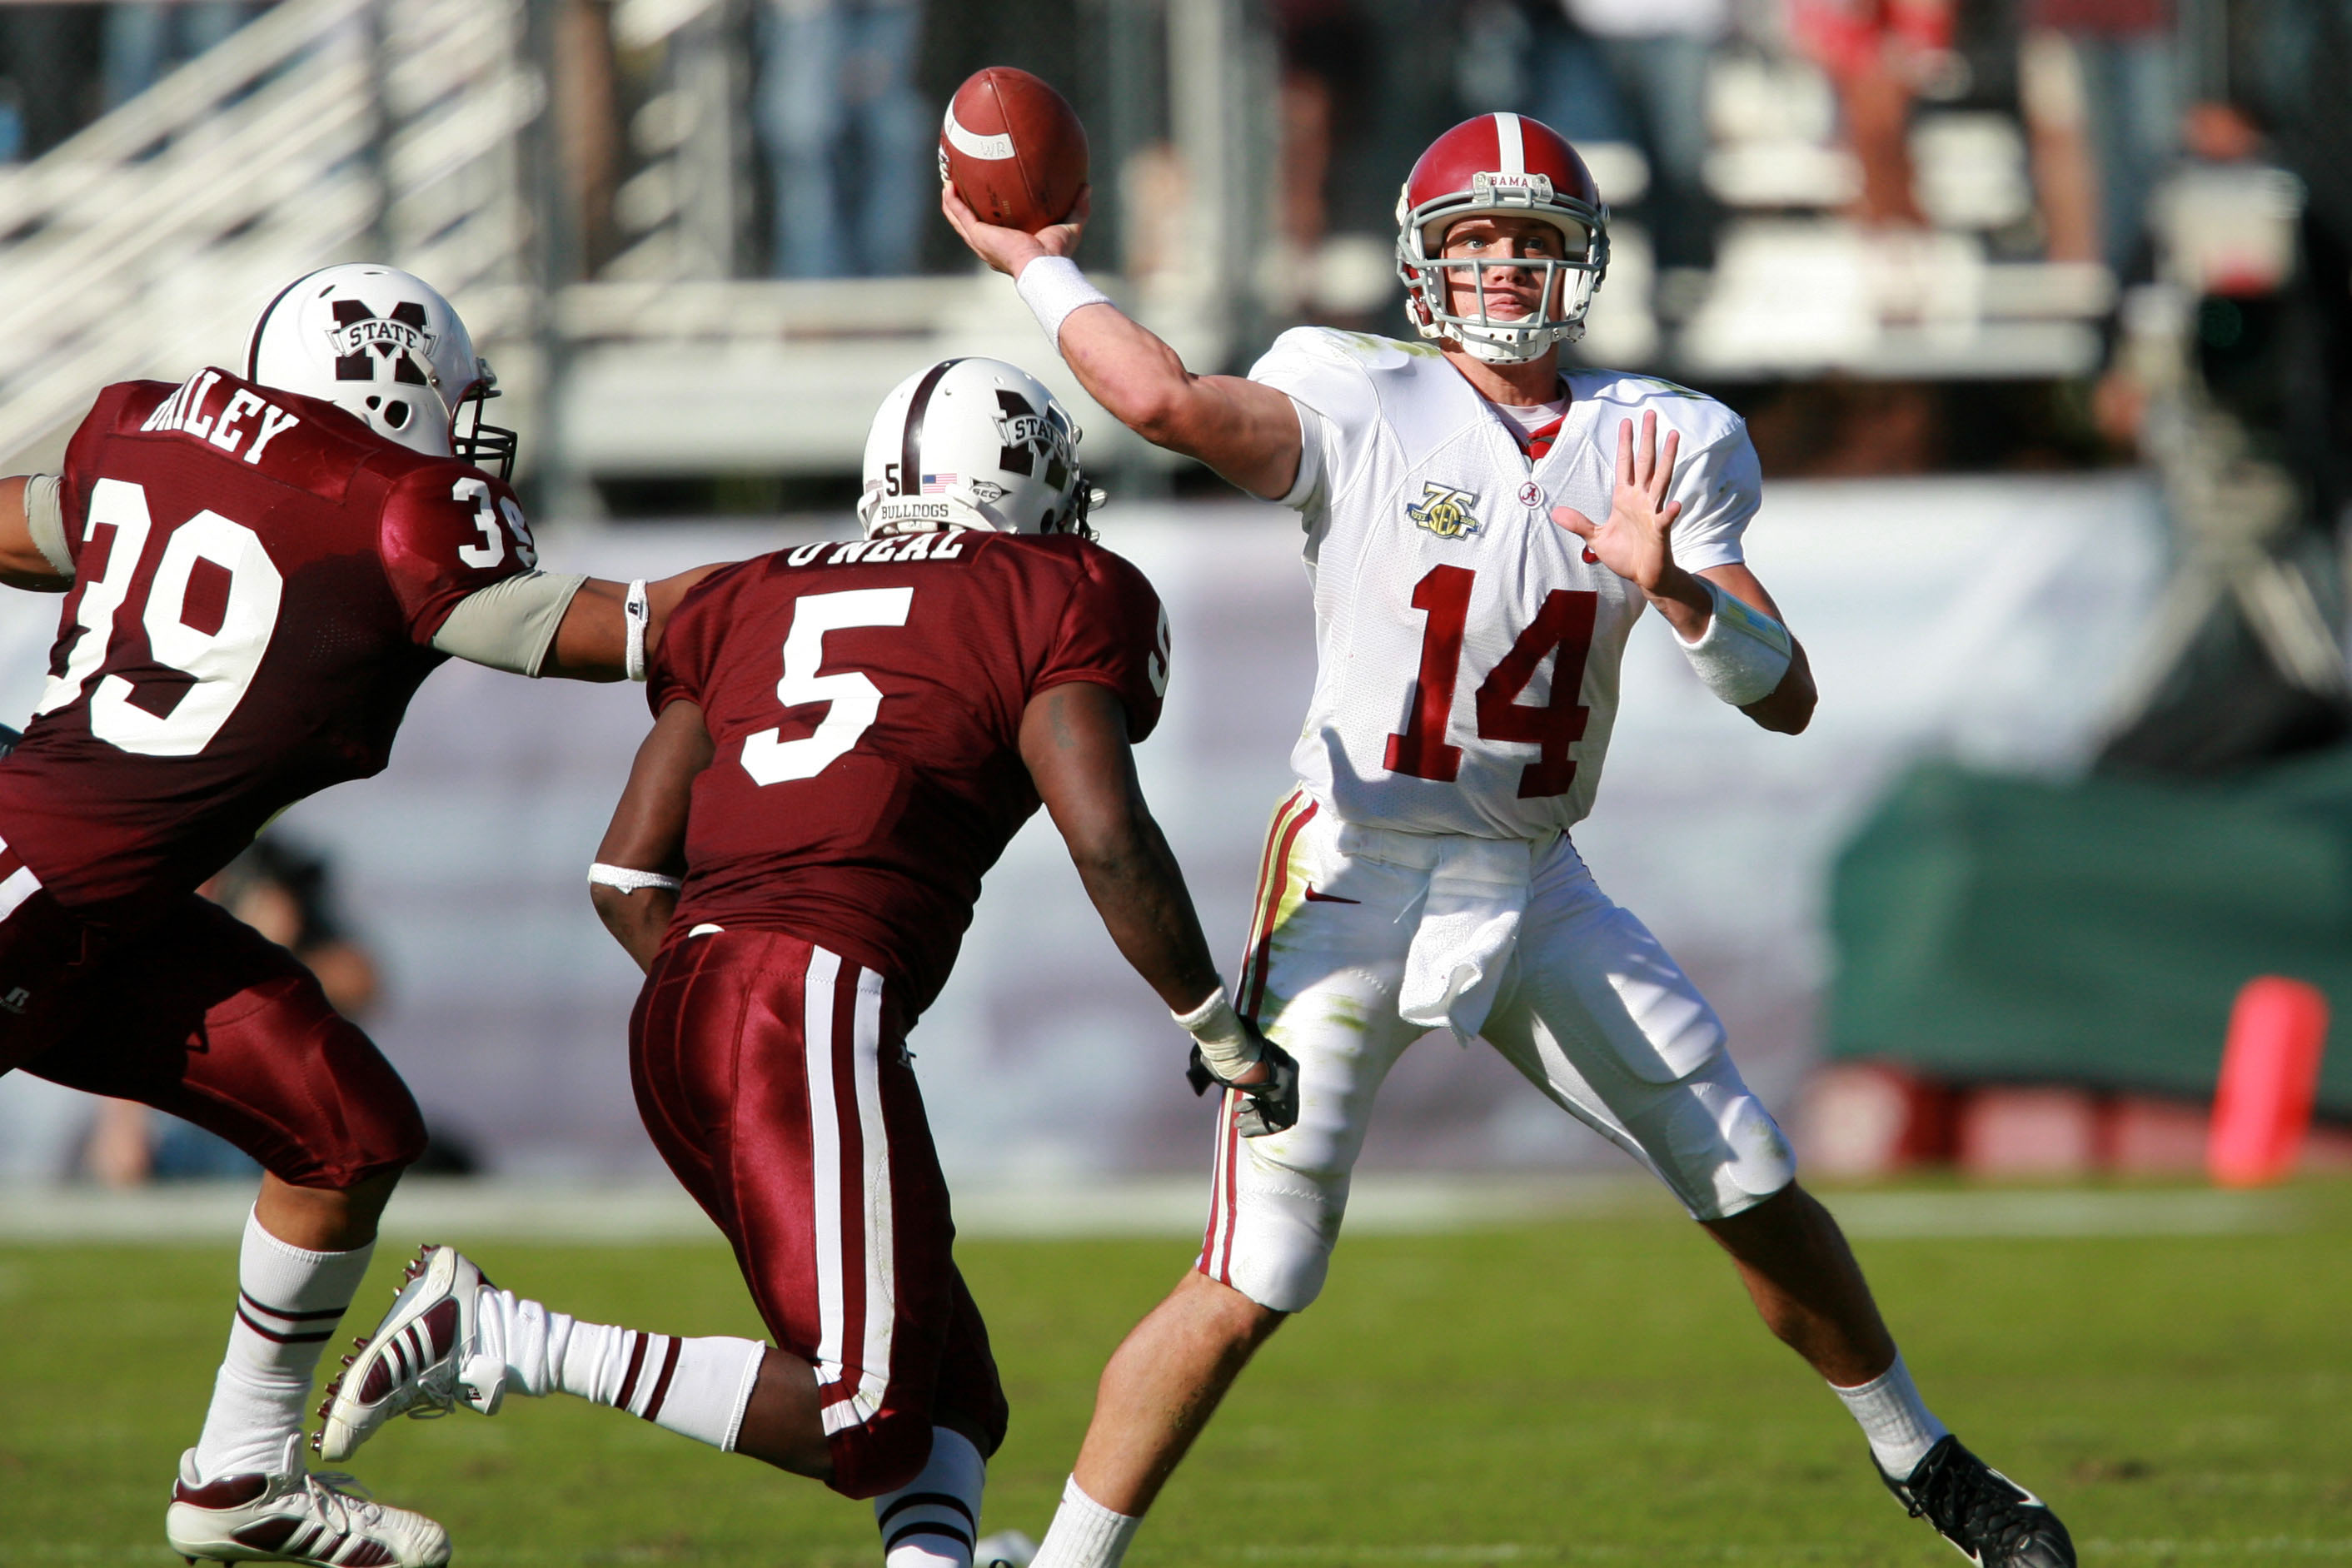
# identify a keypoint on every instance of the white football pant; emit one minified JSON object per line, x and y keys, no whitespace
{"x":1591,"y":1010}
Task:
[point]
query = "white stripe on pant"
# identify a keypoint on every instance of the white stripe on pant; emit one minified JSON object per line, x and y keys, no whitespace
{"x":848,"y":1200}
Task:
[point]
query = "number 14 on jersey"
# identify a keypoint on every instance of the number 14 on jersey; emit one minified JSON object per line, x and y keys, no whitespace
{"x":1564,"y":624}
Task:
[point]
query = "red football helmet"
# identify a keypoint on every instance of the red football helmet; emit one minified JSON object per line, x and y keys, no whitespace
{"x":1501,"y":164}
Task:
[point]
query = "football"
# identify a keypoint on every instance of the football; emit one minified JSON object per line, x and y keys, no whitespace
{"x":1014,"y":149}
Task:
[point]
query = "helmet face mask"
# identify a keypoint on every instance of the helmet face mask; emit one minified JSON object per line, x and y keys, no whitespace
{"x":1498,"y":166}
{"x":476,"y":440}
{"x":973,"y":443}
{"x":384,"y":346}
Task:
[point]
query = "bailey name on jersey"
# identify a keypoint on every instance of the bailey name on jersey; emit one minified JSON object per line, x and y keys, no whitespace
{"x":184,"y":411}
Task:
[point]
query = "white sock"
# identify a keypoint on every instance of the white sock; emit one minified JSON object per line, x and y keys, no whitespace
{"x":1900,"y":1427}
{"x":1084,"y":1534}
{"x":930,"y":1521}
{"x":695,"y":1387}
{"x":289,"y":1302}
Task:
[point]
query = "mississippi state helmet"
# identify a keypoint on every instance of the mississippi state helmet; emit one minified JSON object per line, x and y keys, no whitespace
{"x":384,"y":346}
{"x":1493,"y":165}
{"x":973,"y":443}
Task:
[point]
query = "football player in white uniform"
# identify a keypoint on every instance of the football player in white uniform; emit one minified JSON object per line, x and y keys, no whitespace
{"x":1482,"y":532}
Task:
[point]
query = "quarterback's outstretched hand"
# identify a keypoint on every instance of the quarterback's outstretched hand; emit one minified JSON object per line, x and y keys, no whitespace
{"x":1009,"y":250}
{"x":1269,"y":1088}
{"x":1633,"y":542}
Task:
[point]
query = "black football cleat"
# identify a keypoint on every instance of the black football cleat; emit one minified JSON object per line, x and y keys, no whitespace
{"x":1993,"y":1522}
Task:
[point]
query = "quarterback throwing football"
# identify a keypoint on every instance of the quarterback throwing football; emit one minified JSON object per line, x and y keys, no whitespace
{"x":1482,"y":532}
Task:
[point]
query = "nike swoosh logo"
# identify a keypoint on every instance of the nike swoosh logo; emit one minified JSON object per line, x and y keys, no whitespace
{"x":1314,"y":897}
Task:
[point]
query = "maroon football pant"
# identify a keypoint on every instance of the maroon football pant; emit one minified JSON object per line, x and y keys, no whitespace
{"x":774,"y":1077}
{"x":201,"y":1016}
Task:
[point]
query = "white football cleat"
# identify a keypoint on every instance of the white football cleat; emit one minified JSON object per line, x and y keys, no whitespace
{"x":293,"y":1516}
{"x":421,"y":1361}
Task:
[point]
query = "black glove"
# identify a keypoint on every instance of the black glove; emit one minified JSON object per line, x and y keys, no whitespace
{"x":1269,"y":1107}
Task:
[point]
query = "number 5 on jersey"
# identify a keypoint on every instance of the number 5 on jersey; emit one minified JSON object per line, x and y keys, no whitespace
{"x":857,"y":701}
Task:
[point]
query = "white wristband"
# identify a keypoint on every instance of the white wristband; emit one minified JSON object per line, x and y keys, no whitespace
{"x":1052,"y":287}
{"x":1743,"y":652}
{"x":1217,"y":1029}
{"x":629,"y":879}
{"x":636,"y":610}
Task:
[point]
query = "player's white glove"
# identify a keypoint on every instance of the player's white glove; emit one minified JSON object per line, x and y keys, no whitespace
{"x":1226,"y":1045}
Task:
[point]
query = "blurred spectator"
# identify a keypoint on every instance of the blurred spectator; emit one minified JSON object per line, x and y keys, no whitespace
{"x":2220,"y":374}
{"x":1881,"y":54}
{"x":144,"y":41}
{"x":1635,"y":72}
{"x":846,"y":135}
{"x":2101,"y":93}
{"x":1327,"y":62}
{"x":50,"y":59}
{"x":283,"y":892}
{"x":587,"y":111}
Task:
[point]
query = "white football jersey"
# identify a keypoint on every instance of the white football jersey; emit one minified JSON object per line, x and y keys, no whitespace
{"x":1468,"y":647}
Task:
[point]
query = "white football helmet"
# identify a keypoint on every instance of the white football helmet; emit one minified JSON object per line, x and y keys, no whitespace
{"x":384,"y":346}
{"x":974,"y":444}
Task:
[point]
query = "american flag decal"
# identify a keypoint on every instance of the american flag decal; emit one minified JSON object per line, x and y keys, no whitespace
{"x":934,"y":484}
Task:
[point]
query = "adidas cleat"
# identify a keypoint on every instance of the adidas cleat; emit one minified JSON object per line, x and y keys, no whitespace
{"x":294,"y":1516}
{"x":1992,"y":1520}
{"x":418,"y":1360}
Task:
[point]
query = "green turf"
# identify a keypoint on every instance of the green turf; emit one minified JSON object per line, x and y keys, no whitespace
{"x":1580,"y":1391}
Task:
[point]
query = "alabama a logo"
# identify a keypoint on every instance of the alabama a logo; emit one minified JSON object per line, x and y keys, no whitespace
{"x":1444,"y":511}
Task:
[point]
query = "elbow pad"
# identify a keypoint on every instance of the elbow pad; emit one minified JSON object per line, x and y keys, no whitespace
{"x":510,"y":624}
{"x":45,"y":519}
{"x":1743,"y":652}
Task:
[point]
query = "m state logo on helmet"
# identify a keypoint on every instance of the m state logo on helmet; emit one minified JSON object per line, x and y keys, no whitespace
{"x":973,"y":443}
{"x":384,"y":346}
{"x":1499,"y":165}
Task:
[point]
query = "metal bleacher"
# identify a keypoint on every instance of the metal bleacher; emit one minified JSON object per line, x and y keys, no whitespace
{"x":419,"y":131}
{"x":411,"y":131}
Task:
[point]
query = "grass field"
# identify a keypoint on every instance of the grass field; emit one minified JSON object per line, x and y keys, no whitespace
{"x":1587,"y":1390}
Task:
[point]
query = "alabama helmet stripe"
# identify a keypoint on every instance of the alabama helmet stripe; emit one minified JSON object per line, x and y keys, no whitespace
{"x":1510,"y":147}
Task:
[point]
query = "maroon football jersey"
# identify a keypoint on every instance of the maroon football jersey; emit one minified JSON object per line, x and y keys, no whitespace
{"x":257,"y":577}
{"x":865,"y":702}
